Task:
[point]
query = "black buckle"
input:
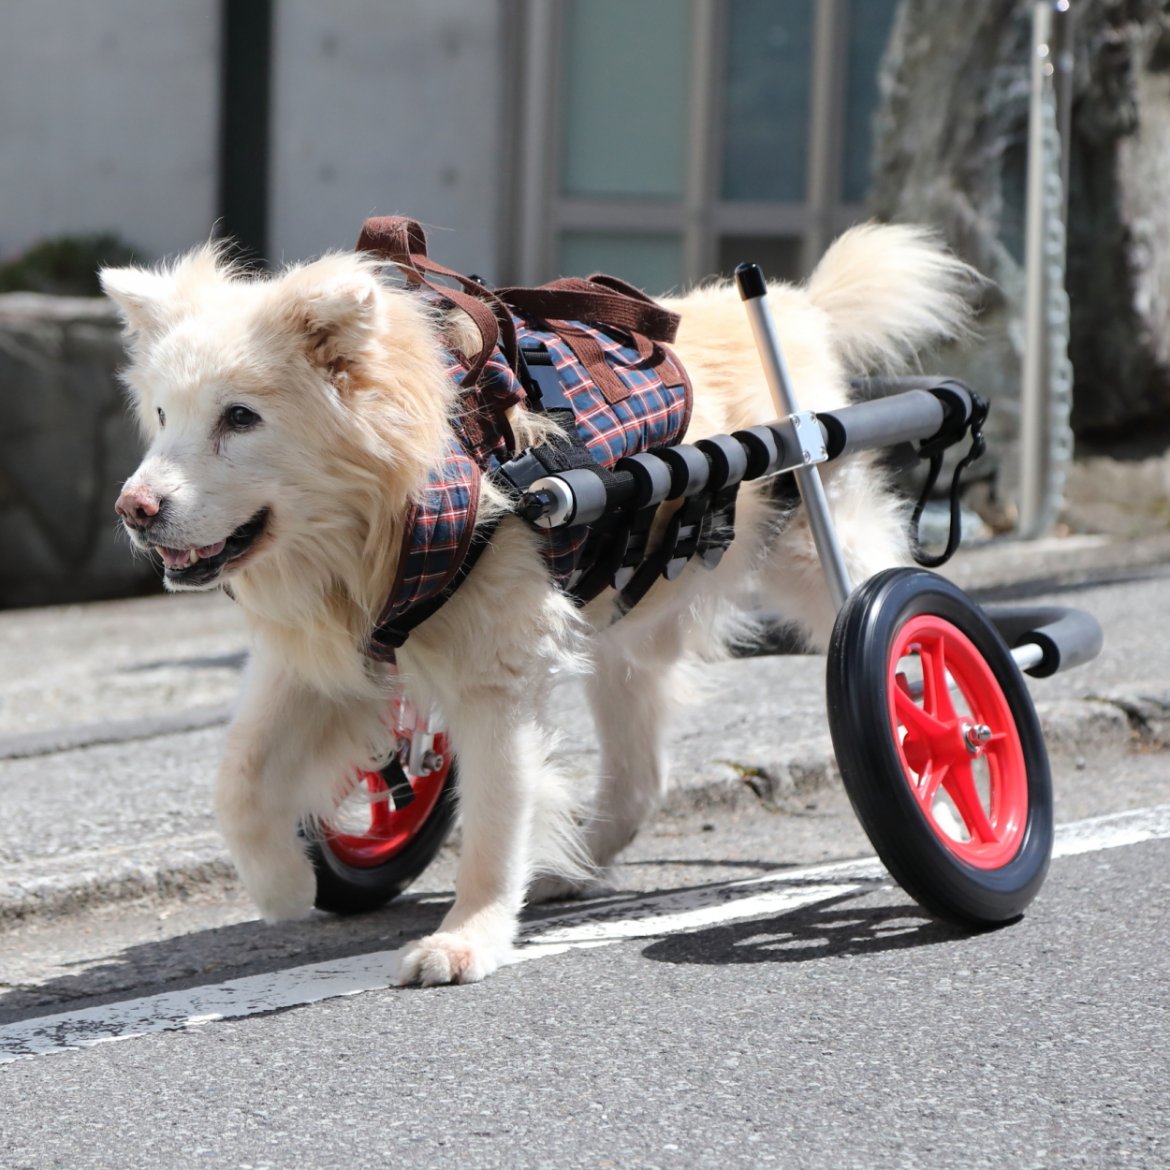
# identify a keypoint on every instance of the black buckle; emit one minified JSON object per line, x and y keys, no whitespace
{"x":718,"y":528}
{"x":540,"y":379}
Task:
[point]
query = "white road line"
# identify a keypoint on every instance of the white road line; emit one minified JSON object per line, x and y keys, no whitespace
{"x":590,"y":926}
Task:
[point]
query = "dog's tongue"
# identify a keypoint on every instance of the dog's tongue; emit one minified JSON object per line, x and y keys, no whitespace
{"x":211,"y":550}
{"x":174,"y":558}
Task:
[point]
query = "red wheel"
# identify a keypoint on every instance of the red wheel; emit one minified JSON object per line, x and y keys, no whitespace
{"x":957,"y":739}
{"x":387,"y":823}
{"x":388,"y":830}
{"x":939,"y":747}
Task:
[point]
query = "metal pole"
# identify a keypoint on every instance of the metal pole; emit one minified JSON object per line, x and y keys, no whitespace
{"x":1063,"y":62}
{"x":1050,"y":41}
{"x":753,"y":292}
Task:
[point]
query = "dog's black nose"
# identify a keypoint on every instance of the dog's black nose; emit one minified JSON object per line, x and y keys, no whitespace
{"x":139,"y":507}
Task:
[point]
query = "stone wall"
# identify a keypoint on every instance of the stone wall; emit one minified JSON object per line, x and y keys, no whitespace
{"x":67,"y":442}
{"x":951,"y":150}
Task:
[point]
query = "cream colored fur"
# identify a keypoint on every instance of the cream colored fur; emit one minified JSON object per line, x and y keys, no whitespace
{"x":345,"y":374}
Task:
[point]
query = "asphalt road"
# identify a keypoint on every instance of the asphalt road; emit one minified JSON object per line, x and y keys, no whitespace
{"x":839,"y":1029}
{"x":731,"y":1002}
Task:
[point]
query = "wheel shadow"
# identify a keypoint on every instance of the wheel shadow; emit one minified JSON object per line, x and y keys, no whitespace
{"x":836,"y":928}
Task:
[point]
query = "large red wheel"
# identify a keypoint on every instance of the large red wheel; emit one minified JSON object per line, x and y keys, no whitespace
{"x":388,"y":830}
{"x":939,"y":747}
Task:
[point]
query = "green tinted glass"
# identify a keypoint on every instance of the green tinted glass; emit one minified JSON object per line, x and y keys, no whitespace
{"x":652,"y":262}
{"x":625,"y":87}
{"x":766,"y":99}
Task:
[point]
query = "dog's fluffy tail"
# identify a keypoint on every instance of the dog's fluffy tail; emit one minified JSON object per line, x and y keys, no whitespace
{"x":890,"y":290}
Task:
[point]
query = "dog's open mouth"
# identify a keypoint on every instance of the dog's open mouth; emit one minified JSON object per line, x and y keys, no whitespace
{"x":201,"y":566}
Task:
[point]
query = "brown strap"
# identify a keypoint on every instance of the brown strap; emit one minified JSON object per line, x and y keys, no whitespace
{"x":589,"y":353}
{"x":403,"y":241}
{"x":600,"y":299}
{"x":397,"y":238}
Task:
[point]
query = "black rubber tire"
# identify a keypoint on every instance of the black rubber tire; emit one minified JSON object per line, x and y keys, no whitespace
{"x":348,"y":889}
{"x":859,"y":704}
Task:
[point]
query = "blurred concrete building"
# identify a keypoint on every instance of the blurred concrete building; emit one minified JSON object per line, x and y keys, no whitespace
{"x":662,"y":140}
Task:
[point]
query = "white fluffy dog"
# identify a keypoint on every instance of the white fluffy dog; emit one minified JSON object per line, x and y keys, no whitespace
{"x":291,"y":418}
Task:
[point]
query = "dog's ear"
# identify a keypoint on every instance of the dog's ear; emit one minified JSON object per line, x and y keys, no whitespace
{"x":150,"y":299}
{"x":336,"y":316}
{"x":142,"y":297}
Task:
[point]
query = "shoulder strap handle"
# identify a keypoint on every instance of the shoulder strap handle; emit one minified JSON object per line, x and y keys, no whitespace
{"x":603,"y":300}
{"x":403,"y":242}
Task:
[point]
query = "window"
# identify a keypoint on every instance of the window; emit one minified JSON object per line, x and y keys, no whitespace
{"x":665,"y":141}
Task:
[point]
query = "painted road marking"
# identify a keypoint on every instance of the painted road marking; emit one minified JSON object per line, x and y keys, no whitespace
{"x":589,"y":926}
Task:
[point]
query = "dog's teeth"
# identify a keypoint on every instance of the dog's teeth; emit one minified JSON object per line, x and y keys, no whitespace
{"x":192,"y":557}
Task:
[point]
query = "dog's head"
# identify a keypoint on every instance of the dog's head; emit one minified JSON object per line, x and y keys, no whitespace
{"x":280,"y":413}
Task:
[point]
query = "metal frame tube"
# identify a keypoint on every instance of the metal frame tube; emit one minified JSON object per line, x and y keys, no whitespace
{"x":884,"y":422}
{"x":754,"y":292}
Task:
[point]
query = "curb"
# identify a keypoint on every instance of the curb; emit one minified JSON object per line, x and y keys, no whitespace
{"x":156,"y":871}
{"x":86,"y":735}
{"x":1077,"y":732}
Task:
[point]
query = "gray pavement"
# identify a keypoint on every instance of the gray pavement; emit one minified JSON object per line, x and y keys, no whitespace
{"x":111,"y":717}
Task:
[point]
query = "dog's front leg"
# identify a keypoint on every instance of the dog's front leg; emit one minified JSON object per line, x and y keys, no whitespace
{"x":287,"y":754}
{"x":499,"y":761}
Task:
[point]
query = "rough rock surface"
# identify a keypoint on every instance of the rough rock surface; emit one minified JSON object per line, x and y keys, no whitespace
{"x":951,"y":150}
{"x":66,"y":444}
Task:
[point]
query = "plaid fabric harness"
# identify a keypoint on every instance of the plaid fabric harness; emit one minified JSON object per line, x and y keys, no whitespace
{"x":613,"y":386}
{"x":441,"y":537}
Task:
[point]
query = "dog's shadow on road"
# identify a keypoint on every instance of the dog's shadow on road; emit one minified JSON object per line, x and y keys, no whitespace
{"x":95,"y":975}
{"x":834,"y":928}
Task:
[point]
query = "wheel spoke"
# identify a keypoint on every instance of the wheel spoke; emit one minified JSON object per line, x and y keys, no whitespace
{"x":934,"y":776}
{"x":960,"y":787}
{"x":917,"y":720}
{"x":380,"y":808}
{"x":937,"y":694}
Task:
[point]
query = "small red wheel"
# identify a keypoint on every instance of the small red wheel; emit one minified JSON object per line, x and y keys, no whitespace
{"x":390,"y":827}
{"x":390,"y":823}
{"x":957,"y":740}
{"x":939,"y":747}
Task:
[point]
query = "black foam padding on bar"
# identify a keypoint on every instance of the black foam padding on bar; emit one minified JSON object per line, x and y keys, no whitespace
{"x":1066,"y":637}
{"x":689,"y":470}
{"x":761,"y":448}
{"x":728,"y":460}
{"x":651,"y":475}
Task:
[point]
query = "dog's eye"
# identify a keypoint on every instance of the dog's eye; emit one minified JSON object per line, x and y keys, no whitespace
{"x":162,"y":417}
{"x":240,"y":418}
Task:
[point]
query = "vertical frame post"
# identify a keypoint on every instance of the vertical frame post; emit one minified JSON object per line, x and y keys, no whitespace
{"x":754,"y":292}
{"x":246,"y":31}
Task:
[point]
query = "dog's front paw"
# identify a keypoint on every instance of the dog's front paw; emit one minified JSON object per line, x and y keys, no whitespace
{"x":449,"y":957}
{"x":282,"y":892}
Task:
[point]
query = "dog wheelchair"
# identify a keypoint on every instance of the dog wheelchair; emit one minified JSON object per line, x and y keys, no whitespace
{"x":936,"y":737}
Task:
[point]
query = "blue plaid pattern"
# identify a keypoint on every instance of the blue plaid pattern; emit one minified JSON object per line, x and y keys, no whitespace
{"x":654,"y":413}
